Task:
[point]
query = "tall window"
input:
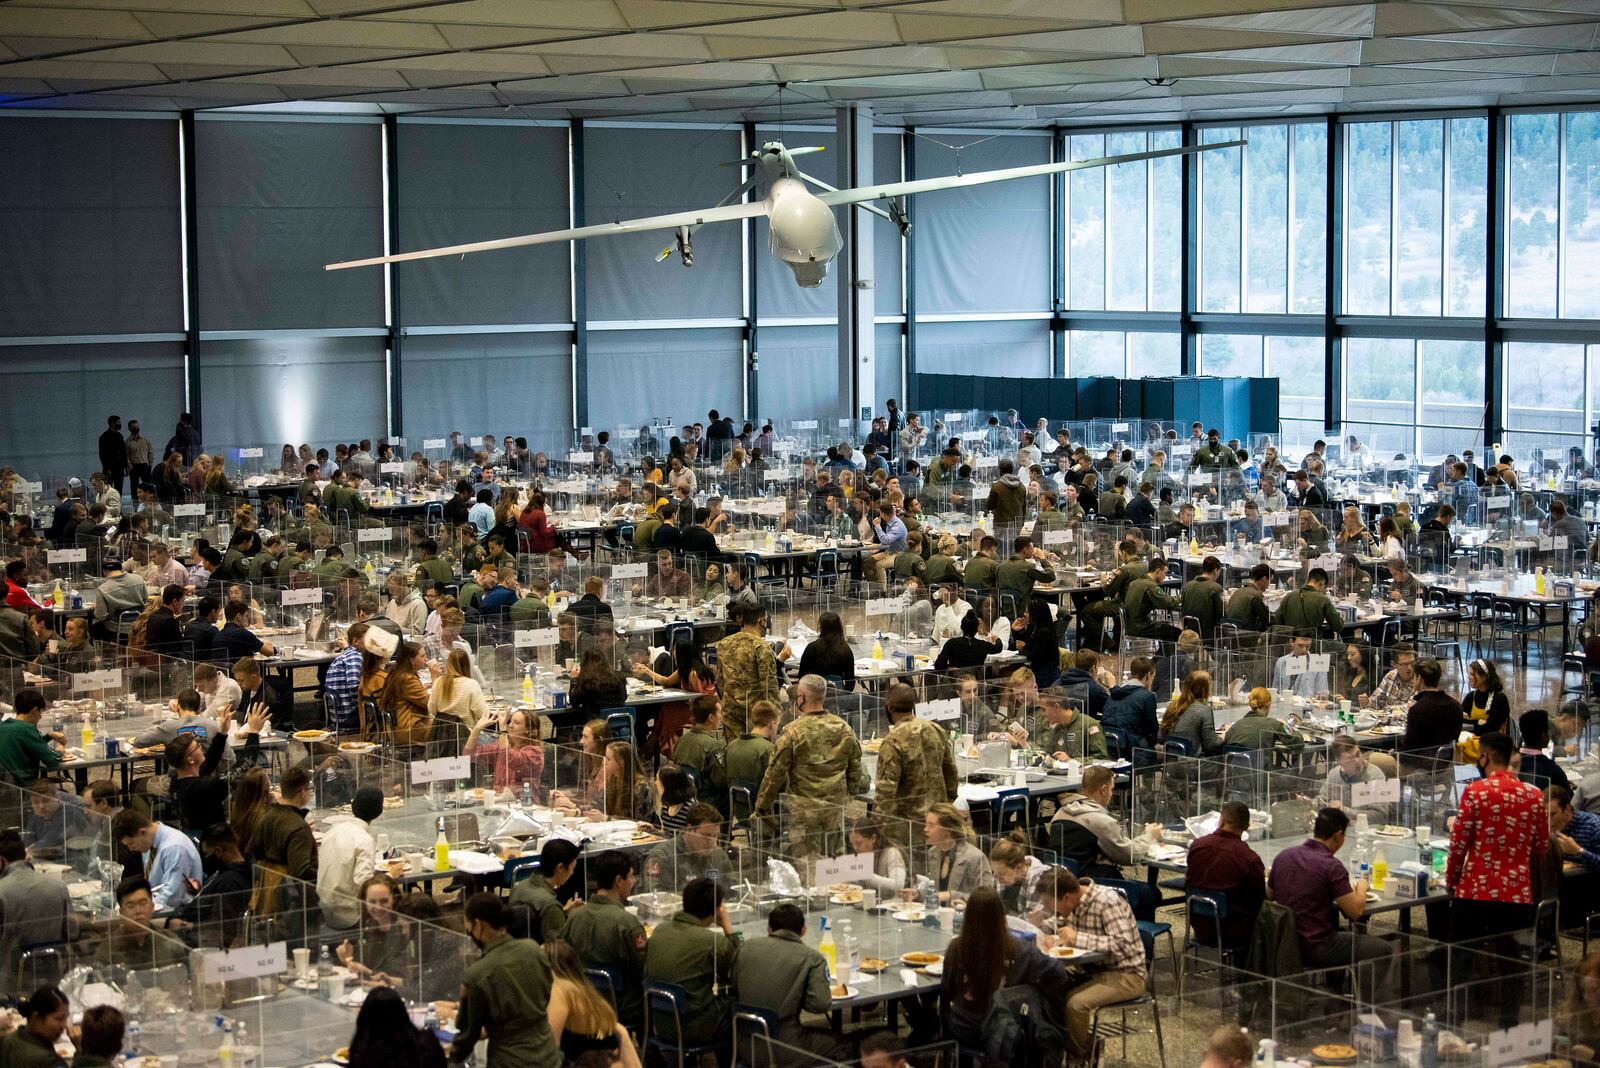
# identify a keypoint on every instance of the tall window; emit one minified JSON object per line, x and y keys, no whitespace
{"x":1263,"y":210}
{"x":1295,"y":361}
{"x":1553,"y":215}
{"x":1123,"y":234}
{"x":1414,"y":217}
{"x":1405,"y":396}
{"x":1144,"y":354}
{"x":1552,"y":396}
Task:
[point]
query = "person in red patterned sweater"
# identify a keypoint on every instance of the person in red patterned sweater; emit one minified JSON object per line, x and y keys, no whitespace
{"x":1501,"y":831}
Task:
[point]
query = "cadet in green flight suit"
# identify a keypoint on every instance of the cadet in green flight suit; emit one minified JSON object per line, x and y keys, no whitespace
{"x":696,"y":949}
{"x":537,"y":891}
{"x":505,"y":995}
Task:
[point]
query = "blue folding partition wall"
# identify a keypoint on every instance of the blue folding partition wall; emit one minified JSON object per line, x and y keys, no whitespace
{"x":1236,"y":406}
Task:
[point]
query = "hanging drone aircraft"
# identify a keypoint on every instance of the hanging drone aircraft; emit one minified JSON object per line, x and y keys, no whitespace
{"x":802,"y":230}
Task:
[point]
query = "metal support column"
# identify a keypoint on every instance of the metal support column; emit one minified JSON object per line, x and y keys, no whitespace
{"x":1333,"y":282}
{"x":1494,"y":349}
{"x":580,"y":295}
{"x":1058,"y":245}
{"x":191,"y":296}
{"x":1188,"y":205}
{"x":752,"y":330}
{"x":913,"y":399}
{"x":391,"y":143}
{"x":857,"y":310}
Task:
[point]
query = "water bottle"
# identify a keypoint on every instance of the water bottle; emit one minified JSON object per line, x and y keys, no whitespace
{"x":1430,"y":1042}
{"x":130,"y":1042}
{"x":324,"y":963}
{"x":430,"y":1022}
{"x":527,"y":794}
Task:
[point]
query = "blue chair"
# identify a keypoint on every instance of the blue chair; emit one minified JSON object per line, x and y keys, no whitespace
{"x":827,"y":567}
{"x":1011,"y":810}
{"x":671,"y":999}
{"x":605,"y":979}
{"x":433,"y":515}
{"x":518,"y":869}
{"x":1180,"y":747}
{"x":1117,"y":745}
{"x":676,"y":630}
{"x":619,"y":724}
{"x":751,"y":1023}
{"x":1213,"y":905}
{"x":742,"y":799}
{"x":693,"y":775}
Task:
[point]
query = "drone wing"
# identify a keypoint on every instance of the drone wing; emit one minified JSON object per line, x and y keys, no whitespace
{"x":865,"y":193}
{"x":626,"y":226}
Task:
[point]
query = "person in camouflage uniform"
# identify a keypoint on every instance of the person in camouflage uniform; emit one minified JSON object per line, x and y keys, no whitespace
{"x":817,"y":759}
{"x":916,"y":768}
{"x":747,"y":671}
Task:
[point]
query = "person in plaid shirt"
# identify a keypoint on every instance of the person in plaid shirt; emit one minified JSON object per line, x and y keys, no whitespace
{"x":1399,"y":686}
{"x":1095,"y":918}
{"x":1501,"y":830}
{"x":342,"y":684}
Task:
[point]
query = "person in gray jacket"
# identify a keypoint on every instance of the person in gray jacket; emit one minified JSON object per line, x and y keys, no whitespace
{"x":1088,"y":810}
{"x":782,"y":975}
{"x":34,"y":907}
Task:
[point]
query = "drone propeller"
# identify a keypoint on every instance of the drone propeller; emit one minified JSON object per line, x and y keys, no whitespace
{"x":756,"y":155}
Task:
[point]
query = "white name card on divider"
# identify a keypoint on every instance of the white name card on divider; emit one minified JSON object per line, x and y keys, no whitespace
{"x":945,"y":711}
{"x":310,"y":595}
{"x":433,"y":443}
{"x":1322,"y":662}
{"x":67,"y":556}
{"x":972,"y":435}
{"x":1329,"y":562}
{"x":586,"y":430}
{"x":1496,"y":504}
{"x":884,"y":606}
{"x":538,"y":638}
{"x":251,"y":454}
{"x":246,"y":962}
{"x":580,"y":457}
{"x":1365,"y":794}
{"x":805,"y":424}
{"x":109,"y":679}
{"x":30,"y":487}
{"x":985,"y":463}
{"x":398,"y":443}
{"x":1533,"y":1039}
{"x":1546,"y":543}
{"x":954,"y":417}
{"x":1296,"y":667}
{"x":628,"y":433}
{"x":179,"y":511}
{"x":845,"y":869}
{"x":1120,"y":428}
{"x":630,"y":571}
{"x":776,"y":474}
{"x":1056,"y":537}
{"x":392,"y":468}
{"x":441,"y":769}
{"x":1561,"y":543}
{"x":372,"y":534}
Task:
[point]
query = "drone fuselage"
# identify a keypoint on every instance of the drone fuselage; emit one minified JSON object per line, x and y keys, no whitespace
{"x":801,"y":230}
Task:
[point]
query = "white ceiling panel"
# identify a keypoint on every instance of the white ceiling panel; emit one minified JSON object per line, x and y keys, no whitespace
{"x":1006,"y":63}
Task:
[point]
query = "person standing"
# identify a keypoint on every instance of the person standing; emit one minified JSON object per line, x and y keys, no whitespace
{"x":916,"y":767}
{"x":505,"y":994}
{"x":141,"y":456}
{"x":747,"y":670}
{"x":817,"y":761}
{"x":1500,"y":833}
{"x":114,"y":453}
{"x":345,"y":859}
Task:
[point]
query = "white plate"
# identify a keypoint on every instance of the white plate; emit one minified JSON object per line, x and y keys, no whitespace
{"x":908,"y":916}
{"x":1392,"y":834}
{"x":936,"y":968}
{"x":849,"y":992}
{"x":840,"y":899}
{"x":1066,"y":953}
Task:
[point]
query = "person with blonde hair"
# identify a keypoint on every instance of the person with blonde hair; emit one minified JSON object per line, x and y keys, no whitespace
{"x":581,"y":1020}
{"x":1258,"y":730}
{"x":1190,"y":716}
{"x":1228,"y":1047}
{"x":956,"y":866}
